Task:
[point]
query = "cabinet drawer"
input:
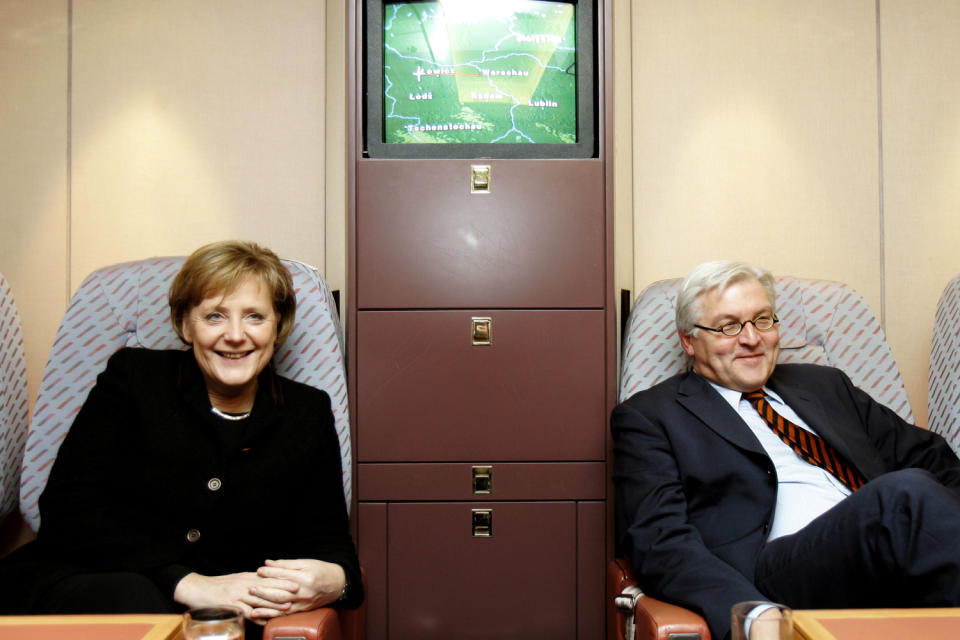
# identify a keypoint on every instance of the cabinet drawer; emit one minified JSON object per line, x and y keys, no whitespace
{"x":426,"y":393}
{"x":496,"y":481}
{"x":542,"y":565}
{"x":520,"y":582}
{"x":536,"y":240}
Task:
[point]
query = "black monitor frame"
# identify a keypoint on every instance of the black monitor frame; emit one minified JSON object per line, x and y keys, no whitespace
{"x":587,"y":102}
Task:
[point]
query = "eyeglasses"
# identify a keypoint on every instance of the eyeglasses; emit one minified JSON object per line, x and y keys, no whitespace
{"x":760,"y":323}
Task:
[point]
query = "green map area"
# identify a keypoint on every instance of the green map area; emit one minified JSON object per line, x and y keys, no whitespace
{"x":491,"y":71}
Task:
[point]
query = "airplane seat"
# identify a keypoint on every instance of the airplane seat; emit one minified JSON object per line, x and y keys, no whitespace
{"x":944,"y":377}
{"x":125,"y":305}
{"x":821,"y":322}
{"x":14,"y":403}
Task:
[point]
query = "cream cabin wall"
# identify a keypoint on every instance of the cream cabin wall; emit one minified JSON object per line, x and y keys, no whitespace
{"x":133,"y":128}
{"x":819,"y":138}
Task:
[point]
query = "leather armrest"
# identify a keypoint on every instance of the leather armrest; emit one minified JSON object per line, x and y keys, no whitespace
{"x":322,"y":624}
{"x":652,"y":619}
{"x":319,"y":624}
{"x":658,"y":620}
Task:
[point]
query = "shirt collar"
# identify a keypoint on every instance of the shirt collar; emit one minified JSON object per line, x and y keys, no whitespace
{"x":733,"y":397}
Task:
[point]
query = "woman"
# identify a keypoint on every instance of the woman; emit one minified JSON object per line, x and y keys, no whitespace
{"x":199,"y":477}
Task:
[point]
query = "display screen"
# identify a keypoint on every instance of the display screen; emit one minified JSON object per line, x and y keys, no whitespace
{"x":479,"y":72}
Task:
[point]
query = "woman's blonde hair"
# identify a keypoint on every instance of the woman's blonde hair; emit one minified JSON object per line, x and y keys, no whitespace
{"x":221,"y":267}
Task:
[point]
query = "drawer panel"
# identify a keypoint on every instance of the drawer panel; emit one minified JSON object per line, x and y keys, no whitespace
{"x":425,"y":393}
{"x":517,"y":583}
{"x":509,"y":481}
{"x":536,"y":240}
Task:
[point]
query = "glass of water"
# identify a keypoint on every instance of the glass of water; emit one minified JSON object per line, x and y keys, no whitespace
{"x":213,"y":623}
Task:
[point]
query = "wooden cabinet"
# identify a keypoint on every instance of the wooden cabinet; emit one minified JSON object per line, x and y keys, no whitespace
{"x":539,"y":574}
{"x":481,"y":365}
{"x":425,"y":392}
{"x":537,"y":239}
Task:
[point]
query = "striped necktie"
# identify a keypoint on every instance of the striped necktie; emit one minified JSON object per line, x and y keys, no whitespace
{"x":807,"y":445}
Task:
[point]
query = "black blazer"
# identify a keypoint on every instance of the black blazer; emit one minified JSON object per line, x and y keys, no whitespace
{"x":145,"y":481}
{"x":695,"y":491}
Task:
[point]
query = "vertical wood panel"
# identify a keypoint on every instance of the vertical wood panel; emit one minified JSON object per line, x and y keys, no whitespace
{"x":372,"y":550}
{"x":591,"y":565}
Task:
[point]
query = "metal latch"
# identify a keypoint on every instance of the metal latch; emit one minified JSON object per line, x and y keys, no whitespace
{"x":482,"y":523}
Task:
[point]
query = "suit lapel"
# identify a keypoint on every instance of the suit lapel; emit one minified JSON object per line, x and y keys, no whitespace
{"x":808,"y":407}
{"x":702,"y":400}
{"x":850,"y":441}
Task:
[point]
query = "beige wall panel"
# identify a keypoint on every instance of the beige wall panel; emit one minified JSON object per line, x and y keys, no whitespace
{"x":196,"y":121}
{"x":336,"y":146}
{"x":33,"y":169}
{"x":755,"y":137}
{"x":921,"y":159}
{"x":622,"y":149}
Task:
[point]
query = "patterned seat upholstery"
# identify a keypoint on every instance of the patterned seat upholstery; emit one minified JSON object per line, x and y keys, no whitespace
{"x":944,"y":393}
{"x":125,"y":305}
{"x":821,"y":322}
{"x":14,"y":406}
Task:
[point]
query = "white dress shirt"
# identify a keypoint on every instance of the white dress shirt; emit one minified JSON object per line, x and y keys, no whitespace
{"x":804,"y":491}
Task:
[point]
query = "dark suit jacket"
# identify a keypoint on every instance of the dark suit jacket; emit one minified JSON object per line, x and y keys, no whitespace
{"x":133,"y":478}
{"x":695,"y":491}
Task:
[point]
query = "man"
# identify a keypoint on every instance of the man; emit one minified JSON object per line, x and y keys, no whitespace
{"x":715,"y":507}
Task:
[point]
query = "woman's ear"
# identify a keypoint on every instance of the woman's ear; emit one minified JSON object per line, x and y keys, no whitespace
{"x":185,"y":333}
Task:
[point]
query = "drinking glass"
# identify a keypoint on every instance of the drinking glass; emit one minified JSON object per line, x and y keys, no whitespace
{"x":761,"y":620}
{"x":213,"y":623}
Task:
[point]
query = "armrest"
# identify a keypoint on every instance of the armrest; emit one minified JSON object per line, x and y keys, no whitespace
{"x":319,"y":624}
{"x":635,"y":616}
{"x":353,"y":622}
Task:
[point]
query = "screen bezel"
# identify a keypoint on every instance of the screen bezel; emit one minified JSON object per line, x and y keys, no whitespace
{"x":587,"y":103}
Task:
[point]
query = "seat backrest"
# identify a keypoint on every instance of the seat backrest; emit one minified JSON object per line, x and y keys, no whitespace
{"x":821,"y":322}
{"x":14,"y":406}
{"x":943,"y":401}
{"x":125,"y":305}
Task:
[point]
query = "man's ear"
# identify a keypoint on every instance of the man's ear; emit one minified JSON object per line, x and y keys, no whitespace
{"x":685,"y":342}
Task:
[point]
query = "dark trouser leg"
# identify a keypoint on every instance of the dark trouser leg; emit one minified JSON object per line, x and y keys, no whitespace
{"x":893,"y":543}
{"x":119,"y":592}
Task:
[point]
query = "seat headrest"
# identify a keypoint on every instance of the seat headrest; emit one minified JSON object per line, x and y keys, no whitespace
{"x":793,"y":318}
{"x":153,"y":328}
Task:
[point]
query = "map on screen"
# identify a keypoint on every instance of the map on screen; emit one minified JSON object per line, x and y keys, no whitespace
{"x":491,"y":71}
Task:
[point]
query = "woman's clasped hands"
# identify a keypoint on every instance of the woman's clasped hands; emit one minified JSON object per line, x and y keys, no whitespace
{"x":288,"y":586}
{"x":280,"y":587}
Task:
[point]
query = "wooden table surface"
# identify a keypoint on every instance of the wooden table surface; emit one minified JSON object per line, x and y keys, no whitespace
{"x":877,"y":624}
{"x":91,"y":627}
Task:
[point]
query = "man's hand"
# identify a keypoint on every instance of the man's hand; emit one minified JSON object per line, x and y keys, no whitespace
{"x":766,"y":626}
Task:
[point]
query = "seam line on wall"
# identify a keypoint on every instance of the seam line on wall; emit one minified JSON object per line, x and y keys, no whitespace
{"x":882,"y":221}
{"x":632,"y":146}
{"x":69,"y":152}
{"x":324,"y":179}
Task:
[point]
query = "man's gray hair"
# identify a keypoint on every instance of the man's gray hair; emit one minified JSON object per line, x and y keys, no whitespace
{"x":719,"y":275}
